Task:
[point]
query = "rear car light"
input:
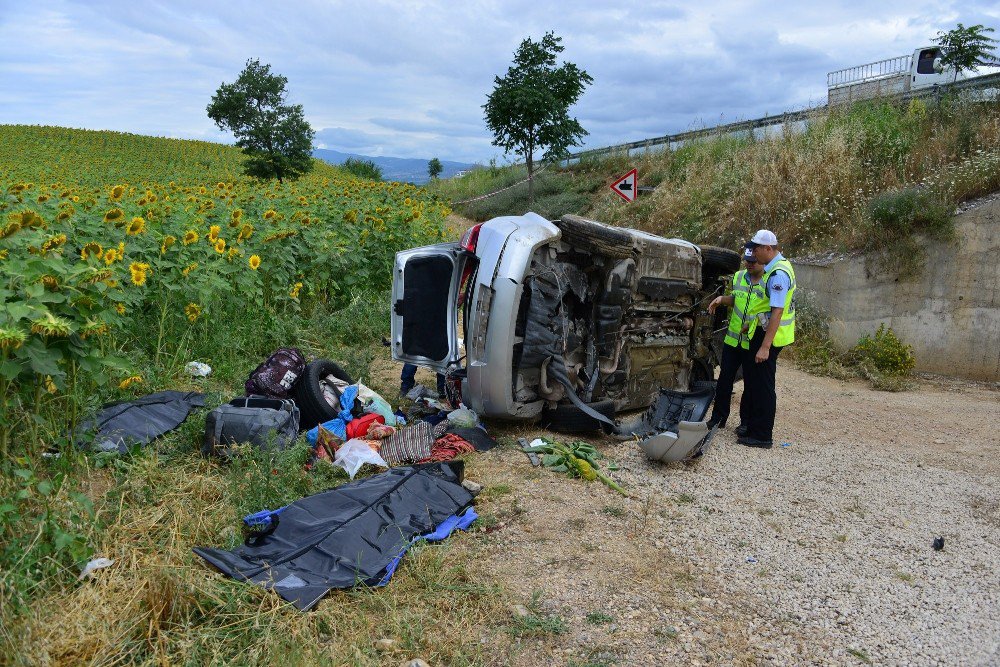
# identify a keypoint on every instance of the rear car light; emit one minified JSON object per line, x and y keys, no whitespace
{"x":470,"y":238}
{"x":480,"y":324}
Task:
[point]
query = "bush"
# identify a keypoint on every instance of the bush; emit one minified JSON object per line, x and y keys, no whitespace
{"x":883,"y":359}
{"x":363,"y":169}
{"x":909,"y":210}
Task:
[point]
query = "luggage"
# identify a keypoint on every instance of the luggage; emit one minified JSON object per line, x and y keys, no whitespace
{"x":275,"y":377}
{"x":263,"y":422}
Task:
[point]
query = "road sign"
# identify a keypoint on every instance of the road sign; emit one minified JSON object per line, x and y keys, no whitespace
{"x":625,"y":186}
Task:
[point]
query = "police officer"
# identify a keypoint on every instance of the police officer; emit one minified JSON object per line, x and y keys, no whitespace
{"x":746,"y":286}
{"x":772,"y":328}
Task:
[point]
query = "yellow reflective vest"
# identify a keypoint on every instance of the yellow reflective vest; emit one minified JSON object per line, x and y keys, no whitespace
{"x":786,"y":331}
{"x":744,"y":294}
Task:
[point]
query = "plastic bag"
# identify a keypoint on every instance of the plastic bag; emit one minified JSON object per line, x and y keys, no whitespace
{"x":374,"y":403}
{"x":355,"y":453}
{"x":197,"y":369}
{"x":463,"y":418}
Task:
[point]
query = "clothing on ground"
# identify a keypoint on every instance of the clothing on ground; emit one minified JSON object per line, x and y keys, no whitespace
{"x":348,"y":535}
{"x":411,"y":443}
{"x":448,"y":447}
{"x":441,"y":533}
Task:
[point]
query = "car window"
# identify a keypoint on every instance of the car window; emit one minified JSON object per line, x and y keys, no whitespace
{"x":925,"y":63}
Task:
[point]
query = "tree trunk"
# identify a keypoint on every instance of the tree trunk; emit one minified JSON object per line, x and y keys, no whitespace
{"x":531,"y":182}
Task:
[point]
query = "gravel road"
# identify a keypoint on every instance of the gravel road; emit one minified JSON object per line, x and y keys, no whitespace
{"x":818,"y":552}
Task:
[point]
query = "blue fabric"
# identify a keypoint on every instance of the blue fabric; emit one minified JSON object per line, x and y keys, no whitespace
{"x":442,"y":532}
{"x":337,"y":425}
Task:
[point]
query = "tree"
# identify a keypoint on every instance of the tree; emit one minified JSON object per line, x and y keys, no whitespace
{"x":434,"y":167}
{"x":275,"y":136}
{"x":363,"y":168}
{"x":528,"y":109}
{"x":966,"y":48}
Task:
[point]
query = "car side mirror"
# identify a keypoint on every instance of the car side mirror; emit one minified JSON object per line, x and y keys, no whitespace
{"x":938,"y":65}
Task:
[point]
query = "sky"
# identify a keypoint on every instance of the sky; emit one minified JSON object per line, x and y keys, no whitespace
{"x":409,"y":79}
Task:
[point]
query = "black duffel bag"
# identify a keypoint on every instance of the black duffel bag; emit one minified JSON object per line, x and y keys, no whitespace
{"x":263,"y":422}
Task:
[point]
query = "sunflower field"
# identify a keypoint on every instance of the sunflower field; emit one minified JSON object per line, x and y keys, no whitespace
{"x":120,"y":251}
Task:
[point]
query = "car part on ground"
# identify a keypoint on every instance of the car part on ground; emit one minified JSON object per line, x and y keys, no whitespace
{"x":567,"y":418}
{"x":673,"y":428}
{"x":311,"y":391}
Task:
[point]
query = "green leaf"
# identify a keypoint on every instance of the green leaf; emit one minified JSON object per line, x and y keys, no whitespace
{"x":24,"y":473}
{"x":44,"y":487}
{"x":23,"y":494}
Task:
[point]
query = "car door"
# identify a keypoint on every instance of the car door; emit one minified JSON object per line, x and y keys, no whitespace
{"x":425,"y":290}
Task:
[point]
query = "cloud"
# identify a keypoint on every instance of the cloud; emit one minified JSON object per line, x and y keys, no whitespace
{"x":389,"y":77}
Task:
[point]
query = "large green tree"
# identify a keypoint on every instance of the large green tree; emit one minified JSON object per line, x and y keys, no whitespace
{"x":275,"y":136}
{"x":966,"y":48}
{"x":528,"y":109}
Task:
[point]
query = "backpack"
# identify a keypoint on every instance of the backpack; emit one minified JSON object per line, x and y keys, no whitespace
{"x":275,"y":377}
{"x":263,"y":422}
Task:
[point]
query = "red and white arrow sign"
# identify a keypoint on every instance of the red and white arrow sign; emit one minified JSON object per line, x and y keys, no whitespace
{"x":626,"y":186}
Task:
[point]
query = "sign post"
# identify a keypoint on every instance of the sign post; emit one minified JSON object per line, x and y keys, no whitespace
{"x":626,"y":186}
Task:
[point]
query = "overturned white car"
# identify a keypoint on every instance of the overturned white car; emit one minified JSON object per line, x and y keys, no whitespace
{"x":571,"y":321}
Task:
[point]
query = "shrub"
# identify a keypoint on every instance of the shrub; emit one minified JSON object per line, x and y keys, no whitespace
{"x":908,"y":210}
{"x":884,"y":359}
{"x":363,"y":169}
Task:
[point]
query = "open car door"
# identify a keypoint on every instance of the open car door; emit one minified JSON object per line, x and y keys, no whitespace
{"x":425,"y":290}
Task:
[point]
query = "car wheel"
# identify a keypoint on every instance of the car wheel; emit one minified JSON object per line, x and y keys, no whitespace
{"x":593,"y":237}
{"x":718,"y":261}
{"x":313,"y":407}
{"x":567,"y":418}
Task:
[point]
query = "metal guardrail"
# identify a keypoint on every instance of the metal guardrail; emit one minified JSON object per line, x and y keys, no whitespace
{"x":879,"y":69}
{"x":985,"y":81}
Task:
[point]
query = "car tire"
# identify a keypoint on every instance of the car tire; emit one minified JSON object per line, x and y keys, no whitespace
{"x":313,"y":407}
{"x":567,"y":418}
{"x":718,"y":261}
{"x":593,"y":237}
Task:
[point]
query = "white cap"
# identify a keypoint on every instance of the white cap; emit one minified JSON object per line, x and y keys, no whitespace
{"x":764,"y":237}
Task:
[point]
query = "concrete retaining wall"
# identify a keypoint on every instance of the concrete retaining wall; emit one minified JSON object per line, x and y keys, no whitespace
{"x":950,"y":313}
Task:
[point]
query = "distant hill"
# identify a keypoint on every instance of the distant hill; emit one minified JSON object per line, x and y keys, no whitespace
{"x":408,"y":170}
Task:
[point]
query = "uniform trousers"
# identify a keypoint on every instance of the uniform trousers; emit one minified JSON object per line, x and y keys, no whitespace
{"x":732,"y":360}
{"x":758,"y":382}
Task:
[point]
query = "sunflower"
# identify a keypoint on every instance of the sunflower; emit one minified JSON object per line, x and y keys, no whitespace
{"x":294,"y":293}
{"x":254,"y":262}
{"x":51,"y":283}
{"x":120,"y":308}
{"x":167,"y":242}
{"x":42,"y":199}
{"x":190,"y":236}
{"x":220,"y":246}
{"x":114,"y":215}
{"x":111,"y":256}
{"x":117,"y":193}
{"x":129,"y":381}
{"x":50,"y":386}
{"x":139,"y":271}
{"x":189,"y":268}
{"x":232,"y":253}
{"x":11,"y":339}
{"x":136,"y":227}
{"x":213,"y":233}
{"x":269,"y":214}
{"x":236,"y":215}
{"x":192,"y":310}
{"x":246,"y":231}
{"x":92,"y":328}
{"x":51,"y":325}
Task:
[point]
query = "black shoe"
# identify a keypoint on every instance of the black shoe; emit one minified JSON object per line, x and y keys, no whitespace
{"x":754,"y":442}
{"x":741,"y":430}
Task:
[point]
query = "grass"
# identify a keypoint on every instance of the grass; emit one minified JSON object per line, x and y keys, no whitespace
{"x":599,"y":618}
{"x":867,"y":177}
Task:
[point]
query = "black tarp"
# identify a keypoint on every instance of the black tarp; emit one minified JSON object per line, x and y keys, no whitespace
{"x":348,"y":535}
{"x":119,"y":426}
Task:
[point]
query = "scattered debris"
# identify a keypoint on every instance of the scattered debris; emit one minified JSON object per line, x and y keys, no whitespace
{"x":96,"y":564}
{"x":938,"y":543}
{"x":197,"y":369}
{"x":751,"y":559}
{"x":577,"y":459}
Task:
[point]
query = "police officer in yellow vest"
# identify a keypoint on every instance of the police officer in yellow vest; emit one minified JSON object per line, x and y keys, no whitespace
{"x":746,"y":288}
{"x":771,"y":329}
